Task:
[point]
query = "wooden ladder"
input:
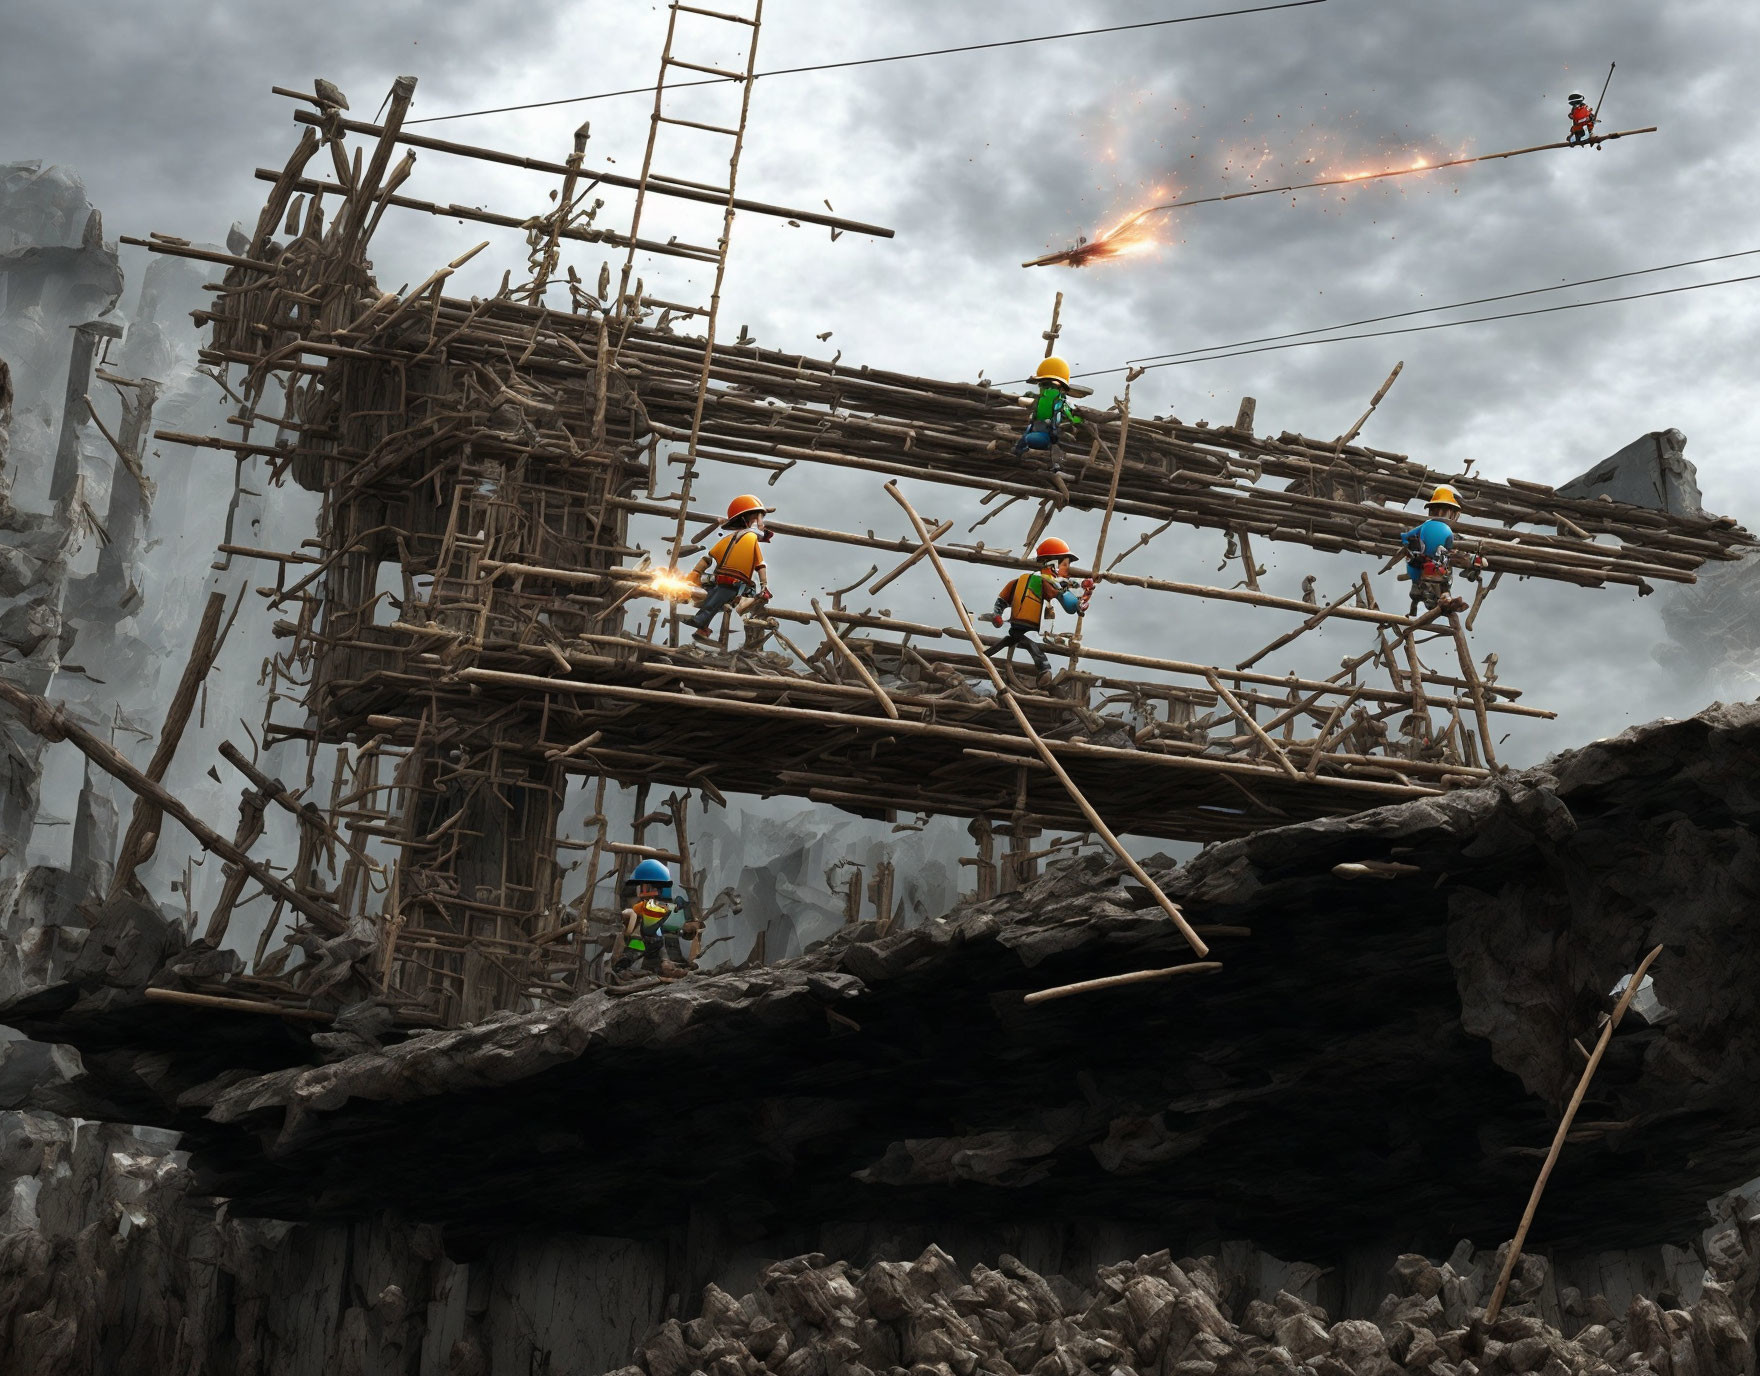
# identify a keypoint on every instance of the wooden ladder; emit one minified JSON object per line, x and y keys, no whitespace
{"x":734,"y":130}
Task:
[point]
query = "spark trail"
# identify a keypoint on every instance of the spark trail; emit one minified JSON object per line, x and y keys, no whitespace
{"x":1128,"y":233}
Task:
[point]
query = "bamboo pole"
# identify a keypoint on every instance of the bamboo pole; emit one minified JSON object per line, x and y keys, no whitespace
{"x":1124,"y":431}
{"x":1564,"y":1127}
{"x":657,"y":186}
{"x":1245,"y":717}
{"x":1474,"y":689}
{"x":854,"y":661}
{"x":1302,"y":629}
{"x":875,"y":587}
{"x":1325,"y":737}
{"x":1089,"y":986}
{"x":1007,"y":698}
{"x":1374,"y":401}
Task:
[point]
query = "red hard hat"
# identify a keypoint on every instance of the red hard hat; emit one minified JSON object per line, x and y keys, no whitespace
{"x":1054,"y":549}
{"x":740,"y":505}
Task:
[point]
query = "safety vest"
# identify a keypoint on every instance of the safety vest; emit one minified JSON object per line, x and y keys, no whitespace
{"x":1026,"y":599}
{"x":650,"y":918}
{"x":737,"y":557}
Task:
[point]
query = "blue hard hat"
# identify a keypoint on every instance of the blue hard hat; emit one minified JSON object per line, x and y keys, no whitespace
{"x":650,"y":872}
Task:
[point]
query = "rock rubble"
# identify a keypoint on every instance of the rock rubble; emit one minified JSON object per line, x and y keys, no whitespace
{"x":1159,"y":1317}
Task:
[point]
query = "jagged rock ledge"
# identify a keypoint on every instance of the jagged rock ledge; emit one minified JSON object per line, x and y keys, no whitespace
{"x":1379,"y":1059}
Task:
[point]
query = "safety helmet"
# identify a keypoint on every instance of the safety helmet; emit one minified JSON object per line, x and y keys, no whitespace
{"x":1054,"y":369}
{"x":1444,"y":496}
{"x":1574,"y":99}
{"x":1053,"y":548}
{"x":743,"y":504}
{"x":649,"y":872}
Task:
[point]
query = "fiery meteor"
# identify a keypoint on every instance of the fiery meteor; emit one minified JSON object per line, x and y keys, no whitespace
{"x":1136,"y":232}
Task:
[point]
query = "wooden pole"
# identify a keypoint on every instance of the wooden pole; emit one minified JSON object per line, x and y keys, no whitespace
{"x":238,"y":1005}
{"x":1124,"y":432}
{"x":1245,"y":718}
{"x":1007,"y":699}
{"x":1474,"y":688}
{"x":1564,"y":1127}
{"x":142,"y":837}
{"x":52,"y":723}
{"x":1374,"y":401}
{"x":1302,"y":629}
{"x":1089,"y":986}
{"x":886,"y":703}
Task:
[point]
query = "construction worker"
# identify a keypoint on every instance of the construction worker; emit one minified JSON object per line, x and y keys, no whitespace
{"x":1051,"y":412}
{"x":1430,"y":547}
{"x":653,"y":921}
{"x":737,"y":561}
{"x":1024,"y":601}
{"x":1582,"y":119}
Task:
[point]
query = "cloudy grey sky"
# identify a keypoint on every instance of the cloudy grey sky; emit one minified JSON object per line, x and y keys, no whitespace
{"x":984,"y":159}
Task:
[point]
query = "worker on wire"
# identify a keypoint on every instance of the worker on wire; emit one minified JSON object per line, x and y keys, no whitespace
{"x":734,"y":567}
{"x":654,"y":921}
{"x":1025,"y":601}
{"x":1582,"y":120}
{"x":1430,"y":554}
{"x":1051,"y":412}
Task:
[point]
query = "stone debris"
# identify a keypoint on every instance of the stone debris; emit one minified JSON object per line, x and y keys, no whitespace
{"x":1159,"y":1317}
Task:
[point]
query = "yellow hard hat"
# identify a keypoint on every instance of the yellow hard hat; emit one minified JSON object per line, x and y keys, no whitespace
{"x":1444,"y":496}
{"x":1053,"y":368}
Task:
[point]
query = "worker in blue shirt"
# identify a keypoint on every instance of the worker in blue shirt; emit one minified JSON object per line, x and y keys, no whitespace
{"x":1433,"y":543}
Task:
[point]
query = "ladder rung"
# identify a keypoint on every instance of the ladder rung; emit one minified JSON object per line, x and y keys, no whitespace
{"x":692,"y":248}
{"x":696,"y":124}
{"x":694,"y":186}
{"x":716,"y":14}
{"x":698,"y":67}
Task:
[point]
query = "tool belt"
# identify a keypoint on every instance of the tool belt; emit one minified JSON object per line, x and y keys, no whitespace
{"x":730,"y":580}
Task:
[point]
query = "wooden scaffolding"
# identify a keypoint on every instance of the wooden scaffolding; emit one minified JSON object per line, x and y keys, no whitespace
{"x":473,"y":624}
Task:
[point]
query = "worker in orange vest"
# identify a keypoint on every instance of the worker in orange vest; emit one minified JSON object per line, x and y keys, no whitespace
{"x":1582,"y":120}
{"x":1024,"y":601}
{"x":734,"y":567}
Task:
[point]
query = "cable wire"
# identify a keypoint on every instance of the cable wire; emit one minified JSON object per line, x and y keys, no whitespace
{"x":1439,"y":325}
{"x":1458,"y":305}
{"x":874,"y":61}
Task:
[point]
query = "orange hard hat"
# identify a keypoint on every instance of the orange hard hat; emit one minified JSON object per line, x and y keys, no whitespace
{"x":744,"y":503}
{"x":1054,"y":549}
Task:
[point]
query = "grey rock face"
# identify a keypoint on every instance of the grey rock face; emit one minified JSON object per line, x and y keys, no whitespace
{"x":1652,"y":471}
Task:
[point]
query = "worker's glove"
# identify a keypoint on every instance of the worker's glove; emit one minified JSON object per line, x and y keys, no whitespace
{"x":996,"y":618}
{"x":1087,"y":588}
{"x":764,"y":595}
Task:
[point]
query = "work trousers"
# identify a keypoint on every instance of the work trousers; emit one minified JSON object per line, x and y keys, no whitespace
{"x":720,"y":595}
{"x":1020,"y":633}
